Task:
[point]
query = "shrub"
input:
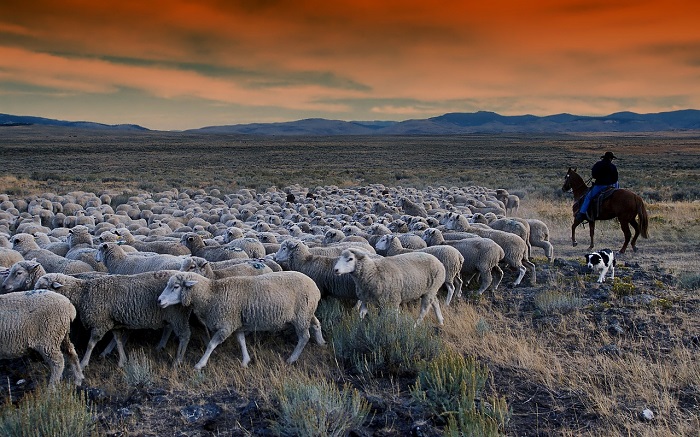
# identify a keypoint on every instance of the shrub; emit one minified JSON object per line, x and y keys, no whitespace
{"x":451,"y":387}
{"x":60,"y":411}
{"x":138,"y":371}
{"x":309,"y":407}
{"x":383,"y":343}
{"x":557,"y":302}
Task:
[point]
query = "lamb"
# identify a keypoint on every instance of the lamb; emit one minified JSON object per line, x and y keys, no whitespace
{"x":119,"y":262}
{"x":451,"y":259}
{"x":25,"y":245}
{"x":203,"y":267}
{"x":513,"y":246}
{"x":121,"y":301}
{"x":193,"y":241}
{"x":248,"y":303}
{"x":168,"y":247}
{"x":394,"y":280}
{"x":297,"y":256}
{"x":39,"y":320}
{"x":481,"y":256}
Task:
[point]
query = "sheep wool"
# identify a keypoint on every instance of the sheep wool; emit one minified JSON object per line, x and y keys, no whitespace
{"x":248,"y":303}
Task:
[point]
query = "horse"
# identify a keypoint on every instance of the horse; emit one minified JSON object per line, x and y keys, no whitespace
{"x":621,"y":204}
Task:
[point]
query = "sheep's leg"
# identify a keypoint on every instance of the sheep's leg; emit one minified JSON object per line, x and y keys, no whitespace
{"x":112,"y":344}
{"x":521,"y":274}
{"x":303,"y":336}
{"x":217,"y":339}
{"x":167,"y":330}
{"x":458,"y":283}
{"x":316,"y":328}
{"x":486,"y":280}
{"x":438,"y":312}
{"x":54,"y":358}
{"x":498,"y":277}
{"x":531,"y":266}
{"x":183,"y":335}
{"x":95,"y":336}
{"x":450,"y":292}
{"x":73,"y":360}
{"x":363,"y":309}
{"x":425,"y":305}
{"x":120,"y":348}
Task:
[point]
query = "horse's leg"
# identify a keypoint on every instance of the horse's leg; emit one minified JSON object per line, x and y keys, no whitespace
{"x":591,"y":226}
{"x":635,"y":226}
{"x":573,"y":233}
{"x":624,"y":224}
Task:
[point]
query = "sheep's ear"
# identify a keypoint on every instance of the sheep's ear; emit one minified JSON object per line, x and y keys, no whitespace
{"x":56,"y":285}
{"x":204,"y":264}
{"x":35,"y":266}
{"x":190,"y":283}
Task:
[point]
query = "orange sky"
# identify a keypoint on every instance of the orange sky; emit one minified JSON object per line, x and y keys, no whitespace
{"x":185,"y":64}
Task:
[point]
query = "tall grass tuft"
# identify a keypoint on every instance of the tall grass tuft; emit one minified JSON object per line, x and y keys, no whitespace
{"x":57,"y":412}
{"x":310,"y":407}
{"x":138,"y":371}
{"x":451,"y":388}
{"x":383,"y":344}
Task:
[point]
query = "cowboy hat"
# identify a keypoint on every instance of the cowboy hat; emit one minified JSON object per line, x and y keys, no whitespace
{"x":608,"y":155}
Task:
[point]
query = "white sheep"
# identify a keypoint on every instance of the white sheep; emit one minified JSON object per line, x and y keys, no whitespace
{"x":298,"y":256}
{"x":513,"y":246}
{"x":247,"y":304}
{"x":514,"y":225}
{"x":194,"y":242}
{"x":22,"y":276}
{"x":80,"y":247}
{"x":451,"y":259}
{"x":119,"y":262}
{"x":539,"y":237}
{"x":251,"y":267}
{"x":168,"y":247}
{"x":115,"y":302}
{"x":481,"y":257}
{"x":9,"y":256}
{"x":39,"y":320}
{"x":389,"y":282}
{"x":25,"y":244}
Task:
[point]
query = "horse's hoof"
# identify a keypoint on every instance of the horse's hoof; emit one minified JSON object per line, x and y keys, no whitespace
{"x":574,"y":244}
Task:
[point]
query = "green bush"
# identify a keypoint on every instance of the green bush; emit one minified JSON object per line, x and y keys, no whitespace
{"x":318,"y":408}
{"x":557,"y":302}
{"x":383,"y":344}
{"x":57,"y":412}
{"x":450,"y":388}
{"x":138,"y":370}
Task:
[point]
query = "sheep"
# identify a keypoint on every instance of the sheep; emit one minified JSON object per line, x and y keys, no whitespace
{"x":510,"y":201}
{"x":22,"y":276}
{"x":394,"y":280}
{"x":513,"y":246}
{"x":119,"y":262}
{"x":116,"y":302}
{"x":539,"y":237}
{"x":248,"y":303}
{"x":412,"y":208}
{"x":39,"y":320}
{"x":514,"y":225}
{"x":451,"y":259}
{"x":45,"y":242}
{"x":481,"y":256}
{"x":81,"y":248}
{"x":167,"y":247}
{"x":195,"y":244}
{"x":25,"y":245}
{"x":203,"y":267}
{"x":8,"y":257}
{"x":298,"y":256}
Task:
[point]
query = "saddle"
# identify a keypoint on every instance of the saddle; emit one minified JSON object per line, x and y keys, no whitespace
{"x":597,"y":203}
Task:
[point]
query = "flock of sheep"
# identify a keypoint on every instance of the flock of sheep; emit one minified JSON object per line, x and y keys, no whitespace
{"x":242,"y":262}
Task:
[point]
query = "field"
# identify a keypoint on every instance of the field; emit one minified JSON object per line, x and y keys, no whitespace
{"x":567,"y":356}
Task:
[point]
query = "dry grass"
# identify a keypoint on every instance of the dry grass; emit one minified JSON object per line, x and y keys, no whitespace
{"x":549,"y":349}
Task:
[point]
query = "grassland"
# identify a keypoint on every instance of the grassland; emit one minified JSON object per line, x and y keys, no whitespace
{"x":569,"y":356}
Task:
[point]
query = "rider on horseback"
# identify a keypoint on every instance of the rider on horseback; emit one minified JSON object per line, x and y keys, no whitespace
{"x":604,"y":174}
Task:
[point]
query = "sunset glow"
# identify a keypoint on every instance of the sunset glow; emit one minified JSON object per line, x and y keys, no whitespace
{"x":187,"y":64}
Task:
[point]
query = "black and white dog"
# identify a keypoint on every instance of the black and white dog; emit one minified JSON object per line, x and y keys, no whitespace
{"x":602,"y":261}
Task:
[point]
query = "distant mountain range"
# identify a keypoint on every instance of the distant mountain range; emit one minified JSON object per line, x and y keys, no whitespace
{"x":447,"y":124}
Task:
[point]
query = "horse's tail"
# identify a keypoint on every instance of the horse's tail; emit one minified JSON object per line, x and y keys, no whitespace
{"x":643,"y":218}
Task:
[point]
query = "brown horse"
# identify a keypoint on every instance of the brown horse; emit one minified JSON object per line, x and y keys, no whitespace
{"x":622,"y":204}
